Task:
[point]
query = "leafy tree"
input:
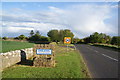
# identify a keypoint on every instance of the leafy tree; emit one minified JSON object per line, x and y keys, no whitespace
{"x":115,"y":40}
{"x":98,"y":38}
{"x":21,"y":37}
{"x":108,"y":39}
{"x":76,"y":40}
{"x":61,"y":35}
{"x":54,"y":35}
{"x":27,"y":38}
{"x":37,"y":32}
{"x":57,"y":36}
{"x":86,"y":40}
{"x":81,"y":41}
{"x":35,"y":37}
{"x":68,"y":33}
{"x":94,"y":38}
{"x":31,"y":33}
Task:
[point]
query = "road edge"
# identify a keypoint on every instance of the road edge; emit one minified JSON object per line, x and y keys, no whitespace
{"x":85,"y":63}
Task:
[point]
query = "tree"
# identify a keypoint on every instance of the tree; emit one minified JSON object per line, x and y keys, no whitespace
{"x":58,"y":36}
{"x":31,"y":33}
{"x":54,"y":35}
{"x":108,"y":39}
{"x":94,"y":38}
{"x":61,"y":35}
{"x":115,"y":40}
{"x":35,"y":37}
{"x":21,"y":37}
{"x":37,"y":32}
{"x":68,"y":33}
{"x":86,"y":40}
{"x":76,"y":40}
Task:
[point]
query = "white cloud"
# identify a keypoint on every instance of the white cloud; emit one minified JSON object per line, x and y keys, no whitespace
{"x":82,"y":19}
{"x":18,"y":29}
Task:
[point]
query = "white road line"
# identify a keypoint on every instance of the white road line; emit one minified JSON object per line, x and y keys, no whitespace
{"x":89,"y":48}
{"x":104,"y":54}
{"x":109,"y":57}
{"x":95,"y":51}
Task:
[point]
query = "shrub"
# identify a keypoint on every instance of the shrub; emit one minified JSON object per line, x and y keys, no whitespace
{"x":5,"y":38}
{"x":43,"y":38}
{"x":21,"y":37}
{"x":115,"y":40}
{"x":35,"y":37}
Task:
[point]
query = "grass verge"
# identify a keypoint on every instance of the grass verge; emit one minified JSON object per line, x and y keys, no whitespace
{"x":106,"y":46}
{"x":68,"y":65}
{"x":70,"y":45}
{"x":14,"y":45}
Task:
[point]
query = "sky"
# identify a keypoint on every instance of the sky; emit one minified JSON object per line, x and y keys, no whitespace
{"x":82,"y":18}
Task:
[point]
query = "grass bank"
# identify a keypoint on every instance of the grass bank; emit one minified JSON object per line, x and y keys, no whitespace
{"x":14,"y":45}
{"x":68,"y":65}
{"x":107,"y":46}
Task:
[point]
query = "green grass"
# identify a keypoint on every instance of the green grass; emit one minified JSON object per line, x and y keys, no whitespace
{"x":69,"y":65}
{"x":65,"y":44}
{"x":14,"y":45}
{"x":106,"y":46}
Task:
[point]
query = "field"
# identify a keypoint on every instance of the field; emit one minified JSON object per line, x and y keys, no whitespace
{"x":68,"y":65}
{"x":14,"y":45}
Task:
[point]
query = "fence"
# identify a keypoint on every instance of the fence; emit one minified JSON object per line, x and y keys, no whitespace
{"x":13,"y":57}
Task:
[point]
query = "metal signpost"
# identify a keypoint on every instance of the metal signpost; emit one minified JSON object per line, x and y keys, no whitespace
{"x":67,"y":40}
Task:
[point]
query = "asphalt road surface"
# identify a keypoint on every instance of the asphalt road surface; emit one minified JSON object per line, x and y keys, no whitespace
{"x":102,"y":63}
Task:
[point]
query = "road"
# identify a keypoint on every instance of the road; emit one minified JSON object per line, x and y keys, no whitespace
{"x":102,"y":63}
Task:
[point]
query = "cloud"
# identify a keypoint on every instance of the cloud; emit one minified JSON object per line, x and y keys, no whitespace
{"x":18,"y":29}
{"x":26,"y":27}
{"x":82,"y":19}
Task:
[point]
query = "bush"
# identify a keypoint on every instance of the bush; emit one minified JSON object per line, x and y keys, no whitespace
{"x":21,"y":37}
{"x":35,"y":37}
{"x":16,"y":38}
{"x":115,"y":40}
{"x":5,"y":38}
{"x":43,"y":38}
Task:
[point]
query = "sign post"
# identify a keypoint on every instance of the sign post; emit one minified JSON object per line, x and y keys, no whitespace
{"x":44,"y":52}
{"x":44,"y":56}
{"x":67,"y":40}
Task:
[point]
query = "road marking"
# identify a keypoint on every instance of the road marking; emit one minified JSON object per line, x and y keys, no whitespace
{"x":95,"y":51}
{"x":103,"y":54}
{"x":109,"y":57}
{"x":89,"y":48}
{"x":92,"y":49}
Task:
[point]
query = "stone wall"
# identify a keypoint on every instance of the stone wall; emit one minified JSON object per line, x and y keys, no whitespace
{"x":13,"y":57}
{"x":44,"y":60}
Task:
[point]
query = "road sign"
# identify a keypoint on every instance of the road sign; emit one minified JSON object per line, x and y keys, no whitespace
{"x":67,"y":40}
{"x":44,"y":51}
